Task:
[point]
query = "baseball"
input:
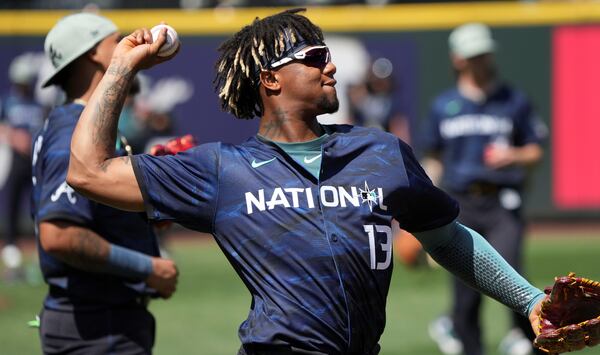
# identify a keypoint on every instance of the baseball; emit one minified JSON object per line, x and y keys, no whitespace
{"x":170,"y":46}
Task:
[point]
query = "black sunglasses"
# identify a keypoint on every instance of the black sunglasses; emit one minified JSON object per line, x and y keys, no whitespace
{"x":317,"y":56}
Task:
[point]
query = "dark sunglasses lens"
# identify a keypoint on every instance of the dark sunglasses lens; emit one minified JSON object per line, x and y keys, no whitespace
{"x":318,"y":57}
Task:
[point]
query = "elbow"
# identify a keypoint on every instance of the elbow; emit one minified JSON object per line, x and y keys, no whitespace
{"x":54,"y":245}
{"x":78,"y":177}
{"x":76,"y":181}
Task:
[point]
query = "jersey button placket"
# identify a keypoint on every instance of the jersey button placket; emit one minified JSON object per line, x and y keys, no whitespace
{"x":334,"y":238}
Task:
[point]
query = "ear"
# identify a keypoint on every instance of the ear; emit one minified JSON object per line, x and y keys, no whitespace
{"x":92,"y":55}
{"x":269,"y":79}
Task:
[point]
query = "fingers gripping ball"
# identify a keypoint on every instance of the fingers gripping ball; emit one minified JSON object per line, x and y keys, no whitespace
{"x":570,"y":315}
{"x":170,"y":46}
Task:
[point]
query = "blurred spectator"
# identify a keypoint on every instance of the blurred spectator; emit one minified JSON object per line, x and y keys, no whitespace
{"x":21,"y":116}
{"x":374,"y":102}
{"x":480,"y":138}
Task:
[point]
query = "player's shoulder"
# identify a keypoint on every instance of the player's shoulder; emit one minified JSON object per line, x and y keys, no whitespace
{"x":59,"y":126}
{"x":64,"y":117}
{"x":511,"y":93}
{"x":211,"y":150}
{"x":351,"y":131}
{"x":366,"y":138}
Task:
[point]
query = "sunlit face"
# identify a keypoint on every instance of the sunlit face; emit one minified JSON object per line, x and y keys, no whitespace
{"x":309,"y":81}
{"x":482,"y":67}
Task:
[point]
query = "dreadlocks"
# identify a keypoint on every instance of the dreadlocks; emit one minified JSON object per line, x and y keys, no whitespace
{"x":250,"y":51}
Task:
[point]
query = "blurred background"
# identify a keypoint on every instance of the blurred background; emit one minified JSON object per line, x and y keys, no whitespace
{"x":392,"y":49}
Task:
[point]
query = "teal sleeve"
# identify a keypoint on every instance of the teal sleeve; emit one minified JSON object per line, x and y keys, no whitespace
{"x":466,"y":254}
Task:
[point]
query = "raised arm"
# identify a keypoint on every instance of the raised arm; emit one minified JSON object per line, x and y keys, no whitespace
{"x":93,"y":170}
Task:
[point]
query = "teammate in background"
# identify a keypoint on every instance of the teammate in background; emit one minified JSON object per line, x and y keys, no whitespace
{"x":21,"y":116}
{"x":102,"y":265}
{"x":483,"y":135}
{"x":302,"y":210}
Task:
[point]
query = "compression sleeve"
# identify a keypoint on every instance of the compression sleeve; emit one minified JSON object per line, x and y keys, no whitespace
{"x":466,"y":254}
{"x":128,"y":263}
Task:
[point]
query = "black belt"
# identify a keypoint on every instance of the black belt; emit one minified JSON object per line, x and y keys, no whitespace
{"x":286,"y":350}
{"x":142,"y":301}
{"x":137,"y":301}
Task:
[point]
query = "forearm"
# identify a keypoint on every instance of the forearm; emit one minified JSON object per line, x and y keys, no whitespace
{"x":85,"y":250}
{"x":93,"y":170}
{"x":81,"y":249}
{"x":528,"y":154}
{"x":469,"y":256}
{"x":93,"y":141}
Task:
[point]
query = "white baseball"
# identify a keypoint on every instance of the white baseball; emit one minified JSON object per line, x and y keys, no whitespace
{"x":170,"y":46}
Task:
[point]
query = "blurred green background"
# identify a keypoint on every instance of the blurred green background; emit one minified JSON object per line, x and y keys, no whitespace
{"x":211,"y":302}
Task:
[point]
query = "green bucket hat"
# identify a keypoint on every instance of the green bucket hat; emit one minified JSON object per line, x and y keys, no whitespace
{"x":72,"y":36}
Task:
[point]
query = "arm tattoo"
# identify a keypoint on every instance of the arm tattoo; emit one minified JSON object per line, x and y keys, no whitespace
{"x":107,"y":110}
{"x":126,"y":159}
{"x":88,"y":252}
{"x":105,"y":164}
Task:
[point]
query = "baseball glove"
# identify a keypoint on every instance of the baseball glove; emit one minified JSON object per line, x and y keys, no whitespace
{"x":174,"y":146}
{"x":570,"y":315}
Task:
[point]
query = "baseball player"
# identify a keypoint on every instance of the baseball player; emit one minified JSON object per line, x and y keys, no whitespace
{"x":484,"y":134}
{"x":301,"y":210}
{"x":101,"y":265}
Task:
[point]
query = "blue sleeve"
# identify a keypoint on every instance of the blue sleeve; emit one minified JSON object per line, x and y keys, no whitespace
{"x":183,"y":187}
{"x":470,"y":257}
{"x":423,"y":206}
{"x":57,"y":199}
{"x":529,"y":127}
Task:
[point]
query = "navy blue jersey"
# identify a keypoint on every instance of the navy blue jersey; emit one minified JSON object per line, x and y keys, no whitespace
{"x":461,"y":129}
{"x":315,"y":254}
{"x":53,"y":199}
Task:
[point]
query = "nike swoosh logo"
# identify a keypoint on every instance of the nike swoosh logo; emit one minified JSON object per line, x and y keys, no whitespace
{"x":308,"y":160}
{"x":258,"y":164}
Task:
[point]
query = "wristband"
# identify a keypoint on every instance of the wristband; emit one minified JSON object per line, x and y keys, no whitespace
{"x":128,"y":263}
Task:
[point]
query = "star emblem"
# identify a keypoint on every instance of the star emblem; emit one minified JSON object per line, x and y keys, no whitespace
{"x":368,"y":196}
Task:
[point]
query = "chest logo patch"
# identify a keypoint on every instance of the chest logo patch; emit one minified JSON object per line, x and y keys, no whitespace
{"x":256,"y":164}
{"x":369,"y":196}
{"x":308,"y":160}
{"x":325,"y":196}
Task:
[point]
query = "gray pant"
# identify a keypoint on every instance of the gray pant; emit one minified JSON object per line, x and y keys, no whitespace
{"x":123,"y":331}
